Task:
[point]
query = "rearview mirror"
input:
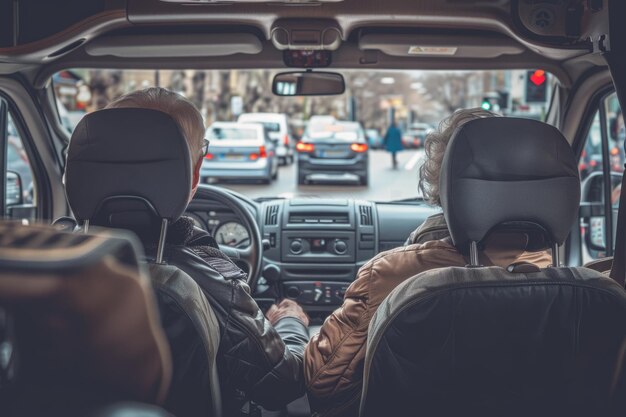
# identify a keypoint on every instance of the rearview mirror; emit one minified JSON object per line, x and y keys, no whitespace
{"x":307,"y":83}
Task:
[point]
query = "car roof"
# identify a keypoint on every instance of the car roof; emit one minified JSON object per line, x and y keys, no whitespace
{"x":430,"y":34}
{"x":236,"y":125}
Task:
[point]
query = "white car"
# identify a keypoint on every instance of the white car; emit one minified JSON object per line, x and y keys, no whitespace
{"x":278,"y":129}
{"x":239,"y":151}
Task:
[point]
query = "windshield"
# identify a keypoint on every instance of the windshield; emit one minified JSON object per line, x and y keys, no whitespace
{"x":316,"y":146}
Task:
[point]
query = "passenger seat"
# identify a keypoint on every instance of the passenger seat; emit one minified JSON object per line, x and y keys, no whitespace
{"x":79,"y":327}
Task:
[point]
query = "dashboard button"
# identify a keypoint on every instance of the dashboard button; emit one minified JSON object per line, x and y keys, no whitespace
{"x":296,"y":246}
{"x":293,"y":292}
{"x":271,"y":273}
{"x":340,"y":247}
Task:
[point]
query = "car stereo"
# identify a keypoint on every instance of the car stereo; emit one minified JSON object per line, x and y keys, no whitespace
{"x":318,"y":246}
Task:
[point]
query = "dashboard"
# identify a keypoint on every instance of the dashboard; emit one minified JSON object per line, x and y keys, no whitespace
{"x":313,"y":247}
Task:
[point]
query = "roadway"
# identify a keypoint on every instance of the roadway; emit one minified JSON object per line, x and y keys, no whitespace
{"x":385,"y":183}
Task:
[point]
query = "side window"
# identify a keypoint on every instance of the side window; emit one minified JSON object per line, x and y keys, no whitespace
{"x":601,"y":167}
{"x":20,"y":191}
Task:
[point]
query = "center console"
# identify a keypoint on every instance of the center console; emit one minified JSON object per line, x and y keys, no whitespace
{"x":316,"y":248}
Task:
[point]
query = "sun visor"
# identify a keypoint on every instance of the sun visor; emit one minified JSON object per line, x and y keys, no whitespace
{"x":173,"y":46}
{"x":444,"y":46}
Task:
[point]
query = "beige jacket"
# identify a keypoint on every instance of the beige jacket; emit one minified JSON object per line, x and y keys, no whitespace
{"x":333,"y":363}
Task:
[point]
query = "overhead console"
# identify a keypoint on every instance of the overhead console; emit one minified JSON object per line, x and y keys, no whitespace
{"x":306,"y":34}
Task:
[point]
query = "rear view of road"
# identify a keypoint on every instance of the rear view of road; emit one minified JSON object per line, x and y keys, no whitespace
{"x":385,"y":183}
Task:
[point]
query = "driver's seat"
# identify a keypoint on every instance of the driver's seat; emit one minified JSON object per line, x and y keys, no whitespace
{"x":490,"y":341}
{"x":129,"y":168}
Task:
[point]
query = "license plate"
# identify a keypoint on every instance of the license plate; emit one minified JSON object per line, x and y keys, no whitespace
{"x":333,"y":154}
{"x":233,"y":157}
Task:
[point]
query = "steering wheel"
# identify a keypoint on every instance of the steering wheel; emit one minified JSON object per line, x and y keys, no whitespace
{"x":252,"y":255}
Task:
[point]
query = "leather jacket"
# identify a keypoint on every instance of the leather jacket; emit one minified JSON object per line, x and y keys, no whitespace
{"x":334,"y":359}
{"x":256,"y":361}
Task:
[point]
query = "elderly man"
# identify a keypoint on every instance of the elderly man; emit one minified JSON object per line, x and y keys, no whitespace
{"x":334,"y":358}
{"x":259,"y":358}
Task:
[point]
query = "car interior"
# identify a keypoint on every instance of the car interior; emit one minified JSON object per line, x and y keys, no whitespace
{"x":479,"y":340}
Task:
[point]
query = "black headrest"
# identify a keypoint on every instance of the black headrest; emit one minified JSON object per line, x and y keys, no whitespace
{"x":501,"y":171}
{"x":126,"y":166}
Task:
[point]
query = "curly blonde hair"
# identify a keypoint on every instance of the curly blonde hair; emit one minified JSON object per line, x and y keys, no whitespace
{"x":184,"y":113}
{"x":435,"y":147}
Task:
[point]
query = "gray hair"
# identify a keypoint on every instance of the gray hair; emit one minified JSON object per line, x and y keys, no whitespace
{"x":435,"y":147}
{"x":184,"y":113}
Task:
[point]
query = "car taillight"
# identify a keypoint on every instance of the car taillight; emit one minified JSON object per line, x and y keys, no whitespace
{"x":286,"y":140}
{"x":305,"y":147}
{"x":209,"y":156}
{"x":262,"y":154}
{"x":359,"y":147}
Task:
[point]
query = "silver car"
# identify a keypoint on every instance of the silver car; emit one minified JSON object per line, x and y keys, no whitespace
{"x":278,"y":128}
{"x":239,"y":151}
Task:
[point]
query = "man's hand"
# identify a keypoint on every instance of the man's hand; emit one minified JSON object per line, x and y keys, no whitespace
{"x":286,"y":308}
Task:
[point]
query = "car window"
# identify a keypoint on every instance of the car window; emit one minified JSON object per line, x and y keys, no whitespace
{"x":331,"y":167}
{"x":221,"y":133}
{"x":20,"y":185}
{"x":603,"y":153}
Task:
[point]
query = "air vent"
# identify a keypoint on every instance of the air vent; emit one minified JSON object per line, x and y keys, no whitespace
{"x":366,"y":215}
{"x":271,"y":215}
{"x":325,"y":218}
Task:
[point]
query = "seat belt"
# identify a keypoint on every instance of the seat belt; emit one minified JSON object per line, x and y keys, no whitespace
{"x":618,"y":269}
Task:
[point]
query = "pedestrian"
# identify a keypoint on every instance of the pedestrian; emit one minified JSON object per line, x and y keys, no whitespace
{"x":393,"y":143}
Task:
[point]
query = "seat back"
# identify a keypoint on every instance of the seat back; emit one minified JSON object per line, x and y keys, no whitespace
{"x":487,"y":342}
{"x":492,"y":341}
{"x":84,"y":329}
{"x":130,"y":168}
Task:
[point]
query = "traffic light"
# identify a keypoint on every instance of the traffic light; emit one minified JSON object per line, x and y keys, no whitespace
{"x":536,"y":86}
{"x":486,"y":105}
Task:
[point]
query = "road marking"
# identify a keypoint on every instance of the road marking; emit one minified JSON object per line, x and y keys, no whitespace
{"x":413,"y":161}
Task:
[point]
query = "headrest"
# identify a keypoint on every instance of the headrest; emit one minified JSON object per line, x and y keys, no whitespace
{"x":85,"y":320}
{"x":501,"y":172}
{"x":126,"y":163}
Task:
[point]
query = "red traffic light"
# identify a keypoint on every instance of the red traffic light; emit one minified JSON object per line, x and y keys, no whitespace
{"x":538,"y":77}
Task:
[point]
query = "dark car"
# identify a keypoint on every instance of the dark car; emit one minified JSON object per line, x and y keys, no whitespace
{"x":333,"y":151}
{"x":415,"y":136}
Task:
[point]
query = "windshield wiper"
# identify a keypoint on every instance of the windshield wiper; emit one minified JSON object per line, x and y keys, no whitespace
{"x":416,"y":200}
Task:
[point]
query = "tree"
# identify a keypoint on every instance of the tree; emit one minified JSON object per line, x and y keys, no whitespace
{"x":447,"y":88}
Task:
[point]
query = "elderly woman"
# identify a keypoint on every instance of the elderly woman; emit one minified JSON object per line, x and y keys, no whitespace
{"x":334,"y":358}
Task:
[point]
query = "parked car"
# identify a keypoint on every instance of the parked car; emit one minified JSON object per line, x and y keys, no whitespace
{"x":333,"y":151}
{"x":415,"y":136}
{"x":239,"y":151}
{"x":374,"y":139}
{"x":278,"y":128}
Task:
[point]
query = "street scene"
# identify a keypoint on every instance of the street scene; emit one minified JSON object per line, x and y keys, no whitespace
{"x":366,"y":143}
{"x":386,"y":185}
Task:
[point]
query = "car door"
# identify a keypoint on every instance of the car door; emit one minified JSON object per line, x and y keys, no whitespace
{"x":601,"y":166}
